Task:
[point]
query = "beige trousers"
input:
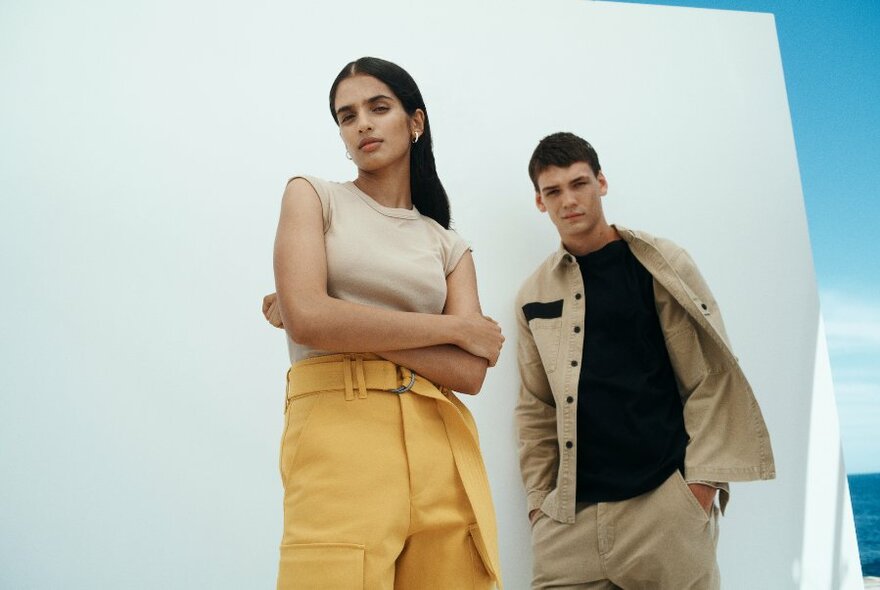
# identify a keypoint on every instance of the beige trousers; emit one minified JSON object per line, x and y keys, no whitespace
{"x":661,"y":540}
{"x":382,"y":490}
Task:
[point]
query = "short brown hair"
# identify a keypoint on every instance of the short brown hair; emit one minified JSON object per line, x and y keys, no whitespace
{"x":562,"y":149}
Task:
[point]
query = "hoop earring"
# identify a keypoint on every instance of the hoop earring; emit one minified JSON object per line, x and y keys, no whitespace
{"x":347,"y":155}
{"x":416,"y":138}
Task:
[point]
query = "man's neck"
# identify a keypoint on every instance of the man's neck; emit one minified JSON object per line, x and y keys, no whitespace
{"x":596,"y":239}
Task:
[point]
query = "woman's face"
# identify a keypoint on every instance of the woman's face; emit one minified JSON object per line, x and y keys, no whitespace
{"x":376,"y":129}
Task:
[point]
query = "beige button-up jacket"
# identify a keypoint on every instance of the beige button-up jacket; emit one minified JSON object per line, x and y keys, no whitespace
{"x":728,"y":440}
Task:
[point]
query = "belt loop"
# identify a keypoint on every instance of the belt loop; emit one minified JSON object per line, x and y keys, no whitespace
{"x":361,"y":378}
{"x":346,"y":374}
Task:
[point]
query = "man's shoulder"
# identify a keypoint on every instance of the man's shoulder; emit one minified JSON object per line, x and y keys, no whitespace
{"x":536,"y":282}
{"x":639,"y":235}
{"x":669,"y":249}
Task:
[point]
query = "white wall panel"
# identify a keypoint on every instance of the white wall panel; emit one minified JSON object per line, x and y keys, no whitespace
{"x":143,"y":151}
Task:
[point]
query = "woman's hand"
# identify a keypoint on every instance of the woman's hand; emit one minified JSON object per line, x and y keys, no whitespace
{"x":271,"y":311}
{"x":481,"y":336}
{"x":449,"y":364}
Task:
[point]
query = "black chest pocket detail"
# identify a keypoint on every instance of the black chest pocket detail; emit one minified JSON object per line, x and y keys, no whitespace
{"x":544,"y":311}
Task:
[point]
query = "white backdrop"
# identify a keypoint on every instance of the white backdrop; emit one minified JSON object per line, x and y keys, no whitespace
{"x":143,"y":151}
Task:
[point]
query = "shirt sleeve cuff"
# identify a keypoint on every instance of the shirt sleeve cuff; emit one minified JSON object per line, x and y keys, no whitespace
{"x":536,"y":498}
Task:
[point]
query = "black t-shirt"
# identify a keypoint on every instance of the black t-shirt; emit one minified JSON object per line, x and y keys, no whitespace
{"x":630,"y":427}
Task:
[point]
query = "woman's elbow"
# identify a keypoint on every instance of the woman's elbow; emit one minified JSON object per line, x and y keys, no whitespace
{"x":299,"y":335}
{"x":472,"y":376}
{"x":302,"y":325}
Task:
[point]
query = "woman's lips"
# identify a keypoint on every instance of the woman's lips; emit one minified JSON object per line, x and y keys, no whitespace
{"x":370,"y":145}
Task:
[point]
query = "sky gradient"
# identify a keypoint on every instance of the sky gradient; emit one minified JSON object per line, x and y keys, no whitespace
{"x":831,"y":59}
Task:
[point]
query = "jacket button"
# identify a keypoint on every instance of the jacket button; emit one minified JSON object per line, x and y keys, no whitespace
{"x":577,"y":329}
{"x":704,"y":306}
{"x":574,"y":363}
{"x":569,"y":399}
{"x":568,"y":444}
{"x":577,"y":295}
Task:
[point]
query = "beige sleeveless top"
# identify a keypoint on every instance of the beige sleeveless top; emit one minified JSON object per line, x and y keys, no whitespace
{"x":381,"y":256}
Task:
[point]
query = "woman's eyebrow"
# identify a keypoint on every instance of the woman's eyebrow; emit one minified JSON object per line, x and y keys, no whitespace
{"x":349,"y":107}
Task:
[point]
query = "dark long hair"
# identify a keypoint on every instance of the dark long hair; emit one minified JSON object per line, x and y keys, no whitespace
{"x":428,"y":194}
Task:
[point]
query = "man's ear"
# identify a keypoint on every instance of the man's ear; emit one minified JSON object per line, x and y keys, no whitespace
{"x":603,"y":184}
{"x":539,"y":203}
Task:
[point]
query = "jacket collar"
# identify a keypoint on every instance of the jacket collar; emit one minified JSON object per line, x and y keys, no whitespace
{"x":561,"y":255}
{"x":564,"y":256}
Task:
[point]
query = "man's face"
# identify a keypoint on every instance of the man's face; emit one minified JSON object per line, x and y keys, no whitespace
{"x":572,"y":197}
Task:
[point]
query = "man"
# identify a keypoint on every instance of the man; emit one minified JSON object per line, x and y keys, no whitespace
{"x":633,"y":412}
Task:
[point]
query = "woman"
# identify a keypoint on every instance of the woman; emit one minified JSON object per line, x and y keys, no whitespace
{"x":384,"y":482}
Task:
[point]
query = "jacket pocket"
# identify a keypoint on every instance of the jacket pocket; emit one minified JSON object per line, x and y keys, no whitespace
{"x":329,"y":566}
{"x":547,"y":334}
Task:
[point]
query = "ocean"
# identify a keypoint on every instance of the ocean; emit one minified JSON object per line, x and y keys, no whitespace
{"x":865,"y":492}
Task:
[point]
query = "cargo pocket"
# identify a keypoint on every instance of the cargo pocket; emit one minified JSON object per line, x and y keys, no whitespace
{"x":296,"y":418}
{"x":328,"y":566}
{"x":482,"y":579}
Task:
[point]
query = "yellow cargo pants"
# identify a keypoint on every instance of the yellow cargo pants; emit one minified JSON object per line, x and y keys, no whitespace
{"x":382,"y":489}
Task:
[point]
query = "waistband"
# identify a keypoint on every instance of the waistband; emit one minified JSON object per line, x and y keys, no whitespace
{"x":352,"y":372}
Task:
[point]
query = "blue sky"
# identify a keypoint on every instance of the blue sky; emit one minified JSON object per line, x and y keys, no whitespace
{"x":831,"y":58}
